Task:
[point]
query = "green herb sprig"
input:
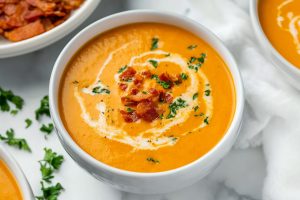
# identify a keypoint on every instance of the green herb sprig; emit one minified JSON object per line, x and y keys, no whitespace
{"x":151,"y":159}
{"x":154,"y":43}
{"x":6,"y":97}
{"x":50,"y":163}
{"x":10,"y":139}
{"x":175,"y":106}
{"x":43,"y":109}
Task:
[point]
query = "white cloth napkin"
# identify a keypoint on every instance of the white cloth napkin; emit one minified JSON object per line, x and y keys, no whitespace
{"x":272,"y":117}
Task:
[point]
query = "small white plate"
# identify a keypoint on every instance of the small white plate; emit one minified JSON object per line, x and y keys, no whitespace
{"x":9,"y":49}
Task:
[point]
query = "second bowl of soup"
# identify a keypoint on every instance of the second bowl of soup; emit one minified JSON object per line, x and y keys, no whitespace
{"x":277,"y":26}
{"x":141,"y":102}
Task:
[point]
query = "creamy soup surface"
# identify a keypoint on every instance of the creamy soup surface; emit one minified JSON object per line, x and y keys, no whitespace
{"x":147,"y":97}
{"x":280,"y":20}
{"x":9,"y":189}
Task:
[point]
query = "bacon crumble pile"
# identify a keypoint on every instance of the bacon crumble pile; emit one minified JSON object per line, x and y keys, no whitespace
{"x":144,"y":104}
{"x":23,"y":19}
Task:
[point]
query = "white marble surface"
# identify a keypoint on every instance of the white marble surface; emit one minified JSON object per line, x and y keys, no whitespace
{"x":240,"y":175}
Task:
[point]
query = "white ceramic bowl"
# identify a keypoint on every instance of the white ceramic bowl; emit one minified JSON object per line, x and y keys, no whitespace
{"x":147,"y":183}
{"x":17,"y":173}
{"x":9,"y":49}
{"x":290,"y":72}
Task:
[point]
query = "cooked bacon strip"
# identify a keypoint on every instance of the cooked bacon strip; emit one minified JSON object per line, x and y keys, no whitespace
{"x":129,"y":117}
{"x":128,"y":74}
{"x":146,"y":110}
{"x":9,"y":9}
{"x":25,"y":32}
{"x":34,"y":14}
{"x":43,"y":5}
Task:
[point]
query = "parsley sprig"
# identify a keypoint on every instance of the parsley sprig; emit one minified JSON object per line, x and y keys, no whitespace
{"x":28,"y":122}
{"x":154,"y":43}
{"x":154,"y":63}
{"x":100,"y":90}
{"x":51,"y":192}
{"x":47,"y":129}
{"x":6,"y":97}
{"x":43,"y":109}
{"x":50,"y":163}
{"x":175,"y":106}
{"x":153,"y":160}
{"x":196,"y":62}
{"x":10,"y":139}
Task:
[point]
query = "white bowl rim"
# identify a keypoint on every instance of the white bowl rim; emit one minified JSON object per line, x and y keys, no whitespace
{"x":100,"y":165}
{"x":51,"y":36}
{"x":266,"y":42}
{"x":17,"y":173}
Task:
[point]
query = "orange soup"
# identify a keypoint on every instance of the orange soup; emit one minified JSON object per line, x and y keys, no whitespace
{"x":147,"y":97}
{"x":9,"y":189}
{"x":280,"y":20}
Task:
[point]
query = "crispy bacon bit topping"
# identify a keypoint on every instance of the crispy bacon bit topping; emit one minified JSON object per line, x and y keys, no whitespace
{"x":134,"y":91}
{"x":138,"y":80}
{"x":19,"y":16}
{"x":146,"y":103}
{"x":147,"y":74}
{"x":165,"y":97}
{"x":128,"y":101}
{"x":128,"y":74}
{"x":146,"y":110}
{"x":129,"y":117}
{"x":123,"y":86}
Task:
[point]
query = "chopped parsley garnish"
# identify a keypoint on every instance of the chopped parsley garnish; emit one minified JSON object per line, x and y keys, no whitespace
{"x":47,"y":129}
{"x":154,"y":44}
{"x":14,"y":112}
{"x":195,"y":63}
{"x":51,"y":192}
{"x":167,"y":55}
{"x":50,"y":163}
{"x":195,"y":96}
{"x":16,"y":142}
{"x":144,"y":92}
{"x":150,"y":159}
{"x":129,"y":110}
{"x":175,"y":106}
{"x":207,"y":92}
{"x":206,"y":120}
{"x":196,"y":108}
{"x":6,"y":97}
{"x":193,"y":46}
{"x":164,"y":84}
{"x":28,"y":122}
{"x":53,"y":159}
{"x":184,"y":76}
{"x":122,"y":69}
{"x":100,"y":90}
{"x":154,"y":63}
{"x":43,"y":109}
